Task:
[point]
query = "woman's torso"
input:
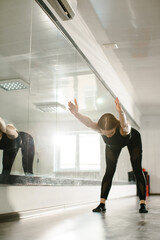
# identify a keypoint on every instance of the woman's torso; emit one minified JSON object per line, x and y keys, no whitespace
{"x":117,"y":141}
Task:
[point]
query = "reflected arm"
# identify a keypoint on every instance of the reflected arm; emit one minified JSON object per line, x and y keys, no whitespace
{"x":9,"y":129}
{"x":2,"y":125}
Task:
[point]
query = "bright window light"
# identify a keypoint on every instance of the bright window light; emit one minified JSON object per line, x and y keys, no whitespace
{"x":80,"y":152}
{"x":89,"y":152}
{"x":100,"y":101}
{"x":67,"y":151}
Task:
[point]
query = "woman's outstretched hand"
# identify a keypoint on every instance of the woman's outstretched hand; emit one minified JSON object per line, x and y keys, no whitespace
{"x":118,"y":106}
{"x":73,"y":107}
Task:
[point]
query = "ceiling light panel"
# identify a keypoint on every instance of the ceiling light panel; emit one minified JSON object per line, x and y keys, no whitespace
{"x":50,"y":107}
{"x":13,"y":84}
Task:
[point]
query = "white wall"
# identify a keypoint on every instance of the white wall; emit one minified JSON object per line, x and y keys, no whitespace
{"x":22,"y":199}
{"x":150,"y":130}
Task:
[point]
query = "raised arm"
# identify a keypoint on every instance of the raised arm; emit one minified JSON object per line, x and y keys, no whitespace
{"x":2,"y":125}
{"x":122,"y":117}
{"x":84,"y":119}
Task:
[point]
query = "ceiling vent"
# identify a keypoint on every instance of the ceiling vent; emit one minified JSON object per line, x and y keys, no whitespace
{"x":62,"y":8}
{"x":110,"y":45}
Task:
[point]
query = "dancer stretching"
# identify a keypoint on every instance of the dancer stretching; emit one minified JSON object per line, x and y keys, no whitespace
{"x":116,"y":135}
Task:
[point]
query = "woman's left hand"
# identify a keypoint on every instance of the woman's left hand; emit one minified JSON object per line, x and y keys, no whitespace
{"x":118,"y":106}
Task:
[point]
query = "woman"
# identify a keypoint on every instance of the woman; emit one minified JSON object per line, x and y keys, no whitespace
{"x":10,"y":142}
{"x":116,"y":135}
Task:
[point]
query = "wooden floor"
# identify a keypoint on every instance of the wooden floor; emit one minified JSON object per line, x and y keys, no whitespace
{"x":121,"y":221}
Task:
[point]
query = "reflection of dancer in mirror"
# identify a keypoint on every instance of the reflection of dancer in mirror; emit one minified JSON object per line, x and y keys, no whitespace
{"x":10,"y":142}
{"x":116,"y":135}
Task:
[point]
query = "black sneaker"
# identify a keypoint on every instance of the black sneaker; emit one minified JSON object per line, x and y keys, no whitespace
{"x":143,"y":209}
{"x":100,"y":208}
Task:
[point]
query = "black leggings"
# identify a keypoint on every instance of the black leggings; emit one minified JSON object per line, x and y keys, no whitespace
{"x":135,"y":150}
{"x":27,"y":148}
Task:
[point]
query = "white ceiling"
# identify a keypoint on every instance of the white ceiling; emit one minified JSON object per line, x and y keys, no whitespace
{"x":135,"y":26}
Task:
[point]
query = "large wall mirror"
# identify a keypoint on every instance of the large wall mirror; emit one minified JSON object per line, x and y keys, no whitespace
{"x":40,"y":71}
